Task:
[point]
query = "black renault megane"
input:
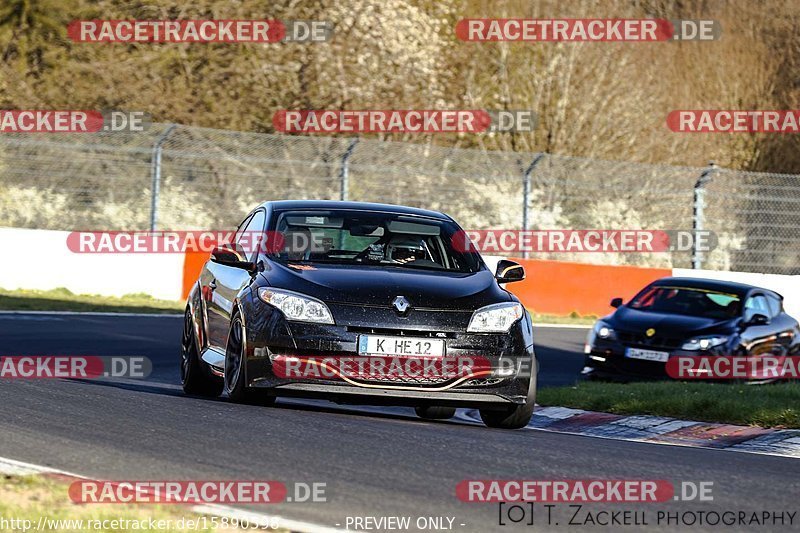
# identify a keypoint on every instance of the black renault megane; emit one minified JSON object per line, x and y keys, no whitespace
{"x":359,"y":303}
{"x":685,"y":317}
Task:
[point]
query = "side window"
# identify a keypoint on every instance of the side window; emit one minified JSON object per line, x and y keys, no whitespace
{"x":775,"y":306}
{"x":241,"y":228}
{"x":250,"y":237}
{"x":756,"y":305}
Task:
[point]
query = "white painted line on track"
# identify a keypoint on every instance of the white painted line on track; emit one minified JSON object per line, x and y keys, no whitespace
{"x":262,"y":520}
{"x":88,"y":313}
{"x":13,"y":467}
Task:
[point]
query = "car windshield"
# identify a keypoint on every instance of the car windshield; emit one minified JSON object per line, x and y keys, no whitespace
{"x":370,"y":239}
{"x":687,"y":301}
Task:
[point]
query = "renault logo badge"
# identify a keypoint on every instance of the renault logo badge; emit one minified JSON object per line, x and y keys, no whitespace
{"x":650,"y":332}
{"x":400,"y":304}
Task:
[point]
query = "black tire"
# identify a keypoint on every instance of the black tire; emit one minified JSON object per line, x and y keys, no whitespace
{"x":432,"y":412}
{"x":235,"y":379}
{"x":516,"y":416}
{"x":196,"y":378}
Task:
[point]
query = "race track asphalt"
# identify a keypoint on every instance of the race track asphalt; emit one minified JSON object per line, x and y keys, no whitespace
{"x":373,"y":461}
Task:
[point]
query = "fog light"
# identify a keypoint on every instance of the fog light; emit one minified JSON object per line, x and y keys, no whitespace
{"x":285,"y":358}
{"x":598,"y":358}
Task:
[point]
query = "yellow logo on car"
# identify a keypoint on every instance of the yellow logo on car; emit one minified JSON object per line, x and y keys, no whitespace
{"x":650,"y":332}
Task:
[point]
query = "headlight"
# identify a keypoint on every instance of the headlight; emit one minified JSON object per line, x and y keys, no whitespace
{"x":496,"y":318}
{"x":602,"y":331}
{"x":295,"y":306}
{"x":704,"y":343}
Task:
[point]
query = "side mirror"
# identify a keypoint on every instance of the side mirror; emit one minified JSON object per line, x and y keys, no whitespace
{"x":230,"y":255}
{"x":616,"y":302}
{"x":509,"y":271}
{"x":757,"y":320}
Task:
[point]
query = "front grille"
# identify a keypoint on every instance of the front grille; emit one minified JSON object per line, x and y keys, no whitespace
{"x":402,"y":380}
{"x":656,"y":341}
{"x":401,"y":332}
{"x":483,"y":382}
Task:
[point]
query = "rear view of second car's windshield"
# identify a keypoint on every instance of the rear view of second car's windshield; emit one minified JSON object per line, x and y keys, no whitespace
{"x":371,"y":239}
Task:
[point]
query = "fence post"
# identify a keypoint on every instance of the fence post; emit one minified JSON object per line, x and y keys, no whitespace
{"x":698,"y":214}
{"x":526,"y":194}
{"x":344,"y":172}
{"x":155,"y":175}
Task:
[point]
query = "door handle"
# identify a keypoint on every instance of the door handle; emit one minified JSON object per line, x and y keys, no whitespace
{"x":213,"y":284}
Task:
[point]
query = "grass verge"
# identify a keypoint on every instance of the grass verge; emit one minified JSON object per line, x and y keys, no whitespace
{"x":64,"y":300}
{"x":572,"y":318}
{"x":773,"y":405}
{"x":25,"y":500}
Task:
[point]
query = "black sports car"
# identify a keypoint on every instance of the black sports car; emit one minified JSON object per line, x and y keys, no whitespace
{"x":359,"y":303}
{"x":688,"y":317}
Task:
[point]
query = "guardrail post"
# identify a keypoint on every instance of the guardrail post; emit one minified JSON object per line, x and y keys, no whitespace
{"x":155,"y":175}
{"x":344,"y":172}
{"x":698,"y":213}
{"x":526,"y":194}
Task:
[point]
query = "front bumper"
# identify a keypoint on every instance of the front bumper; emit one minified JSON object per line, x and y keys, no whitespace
{"x":607,"y":359}
{"x":271,"y":336}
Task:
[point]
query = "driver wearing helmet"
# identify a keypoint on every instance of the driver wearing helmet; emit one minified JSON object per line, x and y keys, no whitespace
{"x":406,"y":250}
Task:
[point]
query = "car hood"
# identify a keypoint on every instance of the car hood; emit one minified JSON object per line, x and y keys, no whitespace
{"x":627,"y":319}
{"x":347,"y":284}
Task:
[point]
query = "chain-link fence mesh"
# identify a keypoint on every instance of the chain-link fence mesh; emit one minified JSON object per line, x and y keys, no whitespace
{"x":212,"y":178}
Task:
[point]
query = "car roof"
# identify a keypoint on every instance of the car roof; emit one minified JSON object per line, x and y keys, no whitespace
{"x":285,"y":205}
{"x":733,"y":287}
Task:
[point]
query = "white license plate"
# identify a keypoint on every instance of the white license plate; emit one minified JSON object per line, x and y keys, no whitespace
{"x":414,"y":346}
{"x":647,"y":355}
